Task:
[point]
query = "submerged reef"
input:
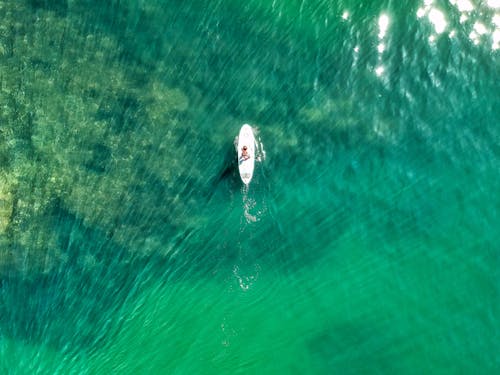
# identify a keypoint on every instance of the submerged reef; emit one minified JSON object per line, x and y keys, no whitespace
{"x":87,"y":134}
{"x":111,"y":125}
{"x":6,"y":203}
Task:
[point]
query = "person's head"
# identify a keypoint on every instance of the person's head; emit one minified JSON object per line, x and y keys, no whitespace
{"x":244,"y":148}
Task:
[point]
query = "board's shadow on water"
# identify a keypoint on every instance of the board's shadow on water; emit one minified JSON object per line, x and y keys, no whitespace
{"x":228,"y":179}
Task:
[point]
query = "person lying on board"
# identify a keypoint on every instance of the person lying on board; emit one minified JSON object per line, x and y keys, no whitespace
{"x":244,"y":154}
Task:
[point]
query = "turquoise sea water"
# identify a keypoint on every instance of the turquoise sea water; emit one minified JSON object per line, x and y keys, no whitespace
{"x":367,"y":241}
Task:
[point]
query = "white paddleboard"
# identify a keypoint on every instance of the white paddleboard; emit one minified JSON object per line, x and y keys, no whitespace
{"x":246,"y":160}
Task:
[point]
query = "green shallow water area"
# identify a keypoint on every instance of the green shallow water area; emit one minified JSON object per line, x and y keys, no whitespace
{"x":367,"y":241}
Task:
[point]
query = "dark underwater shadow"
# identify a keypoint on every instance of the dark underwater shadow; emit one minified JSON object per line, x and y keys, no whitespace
{"x":80,"y":305}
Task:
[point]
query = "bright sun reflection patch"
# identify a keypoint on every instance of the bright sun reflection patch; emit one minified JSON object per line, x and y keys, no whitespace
{"x":479,"y":29}
{"x":496,"y":33}
{"x":495,"y":4}
{"x":437,"y":19}
{"x":383,"y":25}
{"x":468,"y":10}
{"x":496,"y":40}
{"x":463,"y":5}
